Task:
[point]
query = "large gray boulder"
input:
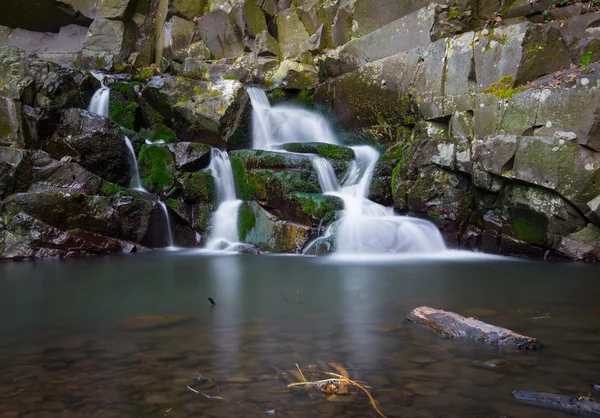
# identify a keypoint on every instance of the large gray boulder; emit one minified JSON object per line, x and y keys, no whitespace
{"x":220,"y":35}
{"x":95,"y":142}
{"x":292,"y":35}
{"x":103,"y":9}
{"x":108,"y":43}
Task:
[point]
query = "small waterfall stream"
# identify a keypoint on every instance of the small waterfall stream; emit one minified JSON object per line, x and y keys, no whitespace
{"x":224,"y":234}
{"x":100,"y":105}
{"x":365,"y":226}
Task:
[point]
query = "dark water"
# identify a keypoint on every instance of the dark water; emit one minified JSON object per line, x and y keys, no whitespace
{"x":66,"y":350}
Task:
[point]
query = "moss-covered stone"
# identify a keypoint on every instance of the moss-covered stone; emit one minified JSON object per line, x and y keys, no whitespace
{"x":157,"y":168}
{"x":317,"y":206}
{"x":199,"y":186}
{"x":529,"y":226}
{"x":246,"y":221}
{"x":329,"y":151}
{"x":246,"y":187}
{"x":123,"y":115}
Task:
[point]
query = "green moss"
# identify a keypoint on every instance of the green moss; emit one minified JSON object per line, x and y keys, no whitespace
{"x":329,"y":151}
{"x":231,"y":77}
{"x":123,"y":115}
{"x":503,"y":88}
{"x":198,"y":90}
{"x":5,"y":130}
{"x":146,"y":73}
{"x":109,"y":188}
{"x":126,"y":89}
{"x":214,"y":93}
{"x":156,"y":168}
{"x":529,"y":228}
{"x":199,"y":186}
{"x":318,"y":206}
{"x":246,"y":221}
{"x":305,"y":98}
{"x":277,"y":95}
{"x":246,"y":187}
{"x":454,"y":13}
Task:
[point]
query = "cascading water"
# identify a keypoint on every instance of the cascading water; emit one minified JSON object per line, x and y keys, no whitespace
{"x":365,"y":227}
{"x":100,"y":105}
{"x":274,"y":126}
{"x":100,"y":101}
{"x":224,"y":234}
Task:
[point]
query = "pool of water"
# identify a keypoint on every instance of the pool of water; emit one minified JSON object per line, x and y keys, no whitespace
{"x":69,"y":346}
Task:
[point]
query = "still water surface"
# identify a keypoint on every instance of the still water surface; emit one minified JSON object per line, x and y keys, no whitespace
{"x":66,"y":350}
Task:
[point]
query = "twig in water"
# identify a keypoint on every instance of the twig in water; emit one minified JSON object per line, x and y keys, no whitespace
{"x":166,"y":414}
{"x":192,"y":389}
{"x":305,"y":381}
{"x":284,"y":298}
{"x":352,"y":382}
{"x":212,"y":301}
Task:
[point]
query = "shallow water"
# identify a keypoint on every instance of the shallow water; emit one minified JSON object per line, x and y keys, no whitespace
{"x":64,"y":351}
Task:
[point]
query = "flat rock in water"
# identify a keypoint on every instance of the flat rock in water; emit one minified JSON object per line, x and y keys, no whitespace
{"x":152,"y":321}
{"x":453,"y":325}
{"x":568,"y":404}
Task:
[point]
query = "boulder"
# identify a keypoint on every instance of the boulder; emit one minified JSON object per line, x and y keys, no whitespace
{"x":270,"y":234}
{"x":107,"y":44}
{"x":220,"y":35}
{"x":192,"y":8}
{"x":96,"y":143}
{"x":295,"y":75}
{"x":291,"y":34}
{"x":104,"y":9}
{"x":254,"y":18}
{"x":203,"y":111}
{"x":24,"y":237}
{"x":190,"y":156}
{"x":176,"y":36}
{"x":266,"y":45}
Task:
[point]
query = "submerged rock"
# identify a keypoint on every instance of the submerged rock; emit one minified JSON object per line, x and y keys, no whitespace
{"x":152,"y":321}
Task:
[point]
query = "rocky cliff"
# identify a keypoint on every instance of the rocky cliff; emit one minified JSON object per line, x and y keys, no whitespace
{"x":485,"y":113}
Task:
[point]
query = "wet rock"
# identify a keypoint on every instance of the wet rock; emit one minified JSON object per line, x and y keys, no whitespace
{"x":24,"y":237}
{"x":180,"y":35}
{"x":220,"y":35}
{"x":266,"y":45}
{"x":190,"y":156}
{"x":191,"y":8}
{"x":95,"y":142}
{"x":152,"y":321}
{"x":270,"y":234}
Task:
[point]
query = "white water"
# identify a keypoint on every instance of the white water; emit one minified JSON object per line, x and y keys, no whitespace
{"x":100,"y":101}
{"x":224,"y":234}
{"x":100,"y":105}
{"x":277,"y":125}
{"x":365,"y":227}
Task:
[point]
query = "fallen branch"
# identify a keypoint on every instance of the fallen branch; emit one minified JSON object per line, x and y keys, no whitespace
{"x":568,"y":404}
{"x":453,"y":325}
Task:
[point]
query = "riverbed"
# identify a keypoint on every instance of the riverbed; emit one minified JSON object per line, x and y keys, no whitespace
{"x":91,"y":337}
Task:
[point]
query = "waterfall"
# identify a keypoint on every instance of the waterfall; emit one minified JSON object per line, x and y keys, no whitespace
{"x":277,"y":125}
{"x":136,"y":181}
{"x":100,"y":105}
{"x":365,"y":226}
{"x":224,"y":234}
{"x":100,"y":101}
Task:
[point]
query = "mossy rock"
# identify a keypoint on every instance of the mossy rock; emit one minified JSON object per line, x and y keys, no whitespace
{"x":124,"y":115}
{"x":245,"y":186}
{"x":261,"y":159}
{"x":317,"y":207}
{"x":157,"y":168}
{"x":329,"y":151}
{"x":199,"y":187}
